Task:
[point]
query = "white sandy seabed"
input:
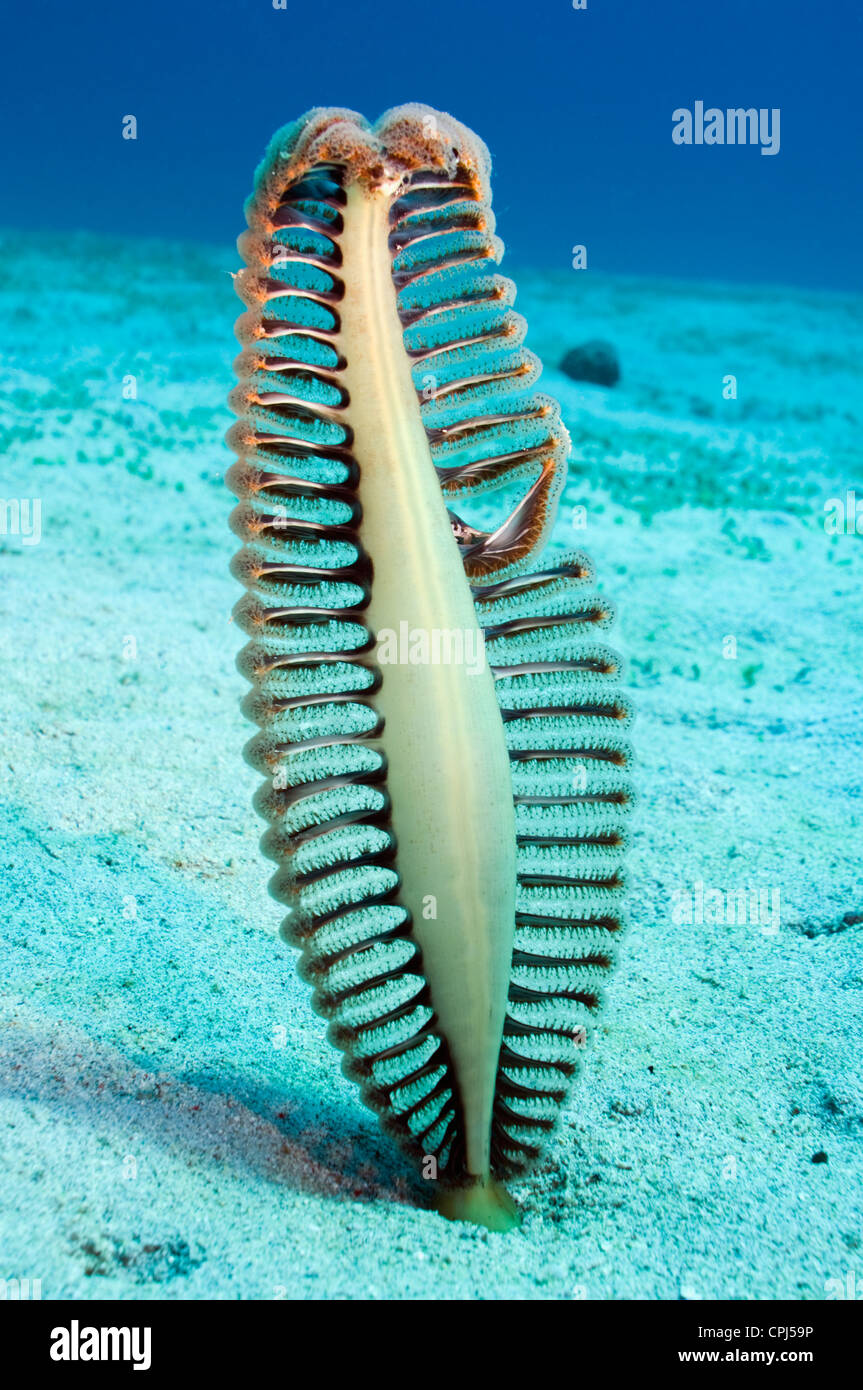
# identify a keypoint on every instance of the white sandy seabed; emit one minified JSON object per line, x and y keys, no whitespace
{"x":173,"y":1124}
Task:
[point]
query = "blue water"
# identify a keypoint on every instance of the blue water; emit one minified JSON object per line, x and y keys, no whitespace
{"x":575,"y":105}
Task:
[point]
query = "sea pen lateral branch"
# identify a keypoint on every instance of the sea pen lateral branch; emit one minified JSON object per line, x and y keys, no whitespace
{"x":384,"y":382}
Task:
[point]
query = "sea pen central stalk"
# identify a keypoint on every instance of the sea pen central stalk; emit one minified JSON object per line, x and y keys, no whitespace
{"x":449,"y":776}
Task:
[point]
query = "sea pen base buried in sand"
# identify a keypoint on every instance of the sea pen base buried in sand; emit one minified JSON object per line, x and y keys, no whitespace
{"x":448,"y":839}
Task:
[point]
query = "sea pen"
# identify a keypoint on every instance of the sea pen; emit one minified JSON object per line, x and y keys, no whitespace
{"x":448,"y":835}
